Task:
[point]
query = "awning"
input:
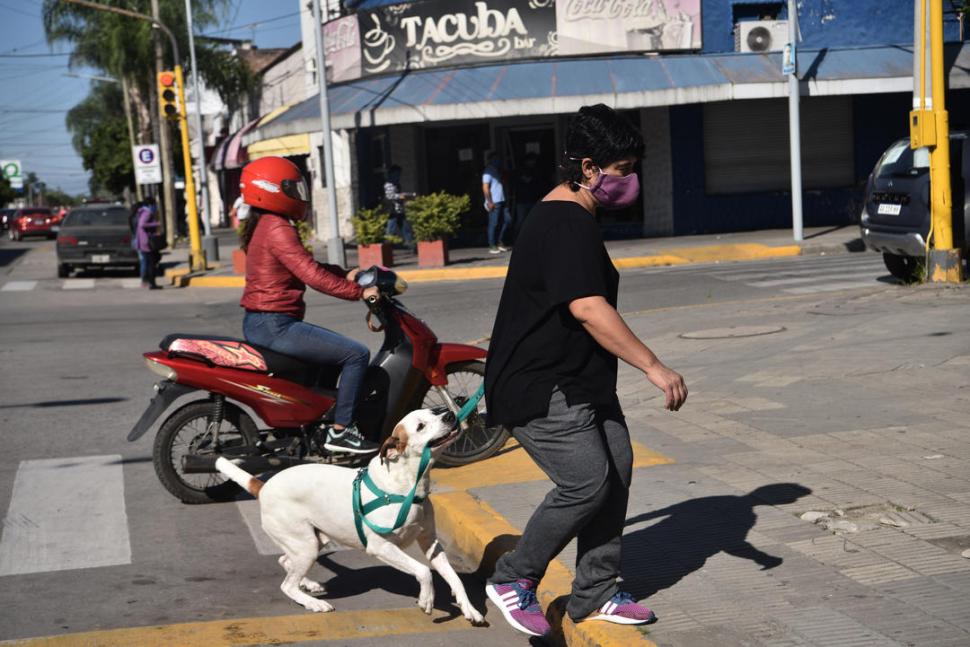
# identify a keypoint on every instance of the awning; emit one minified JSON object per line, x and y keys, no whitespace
{"x":281,"y":146}
{"x":230,"y":153}
{"x":563,"y":86}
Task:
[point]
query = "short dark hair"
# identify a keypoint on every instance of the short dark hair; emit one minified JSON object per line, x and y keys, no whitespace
{"x":601,"y":134}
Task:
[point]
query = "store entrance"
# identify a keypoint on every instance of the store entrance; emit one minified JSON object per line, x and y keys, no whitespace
{"x":455,"y":158}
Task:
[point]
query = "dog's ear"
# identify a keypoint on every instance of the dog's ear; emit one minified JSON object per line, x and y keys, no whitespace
{"x":395,"y":443}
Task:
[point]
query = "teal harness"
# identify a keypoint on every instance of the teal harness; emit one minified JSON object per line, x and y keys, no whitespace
{"x":406,"y":500}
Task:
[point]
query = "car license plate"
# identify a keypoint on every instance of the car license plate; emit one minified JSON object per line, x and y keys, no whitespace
{"x":889,"y":209}
{"x":101,"y":258}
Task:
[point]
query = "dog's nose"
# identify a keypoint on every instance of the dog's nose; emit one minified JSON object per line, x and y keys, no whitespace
{"x":448,"y":418}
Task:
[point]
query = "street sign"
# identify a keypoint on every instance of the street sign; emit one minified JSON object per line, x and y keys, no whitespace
{"x":13,"y":172}
{"x":148,"y":168}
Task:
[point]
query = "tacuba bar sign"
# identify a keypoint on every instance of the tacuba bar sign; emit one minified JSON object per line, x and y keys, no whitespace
{"x":421,"y":35}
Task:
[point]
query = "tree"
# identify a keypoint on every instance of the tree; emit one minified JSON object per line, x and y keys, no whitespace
{"x":122,"y":47}
{"x":7,"y":194}
{"x":99,"y":134}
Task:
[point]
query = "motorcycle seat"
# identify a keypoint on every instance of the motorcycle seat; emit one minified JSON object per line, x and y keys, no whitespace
{"x":231,"y":352}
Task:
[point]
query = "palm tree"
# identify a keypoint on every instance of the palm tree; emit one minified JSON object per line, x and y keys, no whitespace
{"x":123,"y":48}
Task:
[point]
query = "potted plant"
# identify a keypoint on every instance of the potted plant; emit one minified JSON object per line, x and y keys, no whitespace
{"x":373,"y":247}
{"x":303,"y":228}
{"x":433,"y":218}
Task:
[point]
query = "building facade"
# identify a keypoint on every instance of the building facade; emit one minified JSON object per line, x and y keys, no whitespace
{"x":434,"y":86}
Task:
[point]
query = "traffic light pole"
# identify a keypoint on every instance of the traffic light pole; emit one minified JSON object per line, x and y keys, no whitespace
{"x":197,"y":258}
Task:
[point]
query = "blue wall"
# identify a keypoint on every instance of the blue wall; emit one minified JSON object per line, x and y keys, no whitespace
{"x":878,"y":120}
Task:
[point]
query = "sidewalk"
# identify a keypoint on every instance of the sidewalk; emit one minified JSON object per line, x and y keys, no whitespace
{"x":477,"y":263}
{"x":815,"y":489}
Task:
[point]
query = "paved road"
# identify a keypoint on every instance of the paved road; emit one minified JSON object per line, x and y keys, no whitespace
{"x":73,"y":383}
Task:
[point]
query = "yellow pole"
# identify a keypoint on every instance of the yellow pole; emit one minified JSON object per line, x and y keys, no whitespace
{"x":944,"y":264}
{"x":197,"y":258}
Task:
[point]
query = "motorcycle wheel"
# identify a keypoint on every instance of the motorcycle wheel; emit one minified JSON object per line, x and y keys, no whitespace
{"x":478,"y":442}
{"x":185,"y":432}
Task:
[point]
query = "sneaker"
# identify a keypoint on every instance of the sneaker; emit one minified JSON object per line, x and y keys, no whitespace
{"x":518,"y":603}
{"x":348,"y":441}
{"x":494,"y":250}
{"x":503,"y":248}
{"x":623,"y":610}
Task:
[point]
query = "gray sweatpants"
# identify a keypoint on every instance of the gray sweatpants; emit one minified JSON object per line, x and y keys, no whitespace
{"x":586,"y":452}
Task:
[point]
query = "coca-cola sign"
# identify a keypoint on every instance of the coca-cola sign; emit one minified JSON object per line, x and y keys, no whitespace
{"x":436,"y":33}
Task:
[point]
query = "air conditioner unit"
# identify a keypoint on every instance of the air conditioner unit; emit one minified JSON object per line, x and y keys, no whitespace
{"x":760,"y":36}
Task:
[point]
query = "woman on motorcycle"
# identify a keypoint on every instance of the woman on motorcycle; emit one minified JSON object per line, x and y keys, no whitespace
{"x":278,"y":269}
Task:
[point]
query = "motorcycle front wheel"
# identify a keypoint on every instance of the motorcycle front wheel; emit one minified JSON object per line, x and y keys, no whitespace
{"x":478,"y":441}
{"x":187,"y":432}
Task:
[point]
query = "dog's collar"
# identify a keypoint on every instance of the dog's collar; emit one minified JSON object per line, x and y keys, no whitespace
{"x":383,"y":498}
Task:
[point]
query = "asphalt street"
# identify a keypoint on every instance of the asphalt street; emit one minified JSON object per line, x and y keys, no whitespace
{"x":73,"y":383}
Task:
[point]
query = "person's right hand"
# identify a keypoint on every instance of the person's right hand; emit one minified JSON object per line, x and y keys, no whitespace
{"x":370,"y":292}
{"x":671,"y":383}
{"x":489,"y":205}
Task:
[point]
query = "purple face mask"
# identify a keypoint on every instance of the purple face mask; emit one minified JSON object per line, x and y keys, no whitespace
{"x":614,"y":191}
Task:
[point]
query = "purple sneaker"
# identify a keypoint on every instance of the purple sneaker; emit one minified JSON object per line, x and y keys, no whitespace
{"x":623,"y":610}
{"x":518,"y":603}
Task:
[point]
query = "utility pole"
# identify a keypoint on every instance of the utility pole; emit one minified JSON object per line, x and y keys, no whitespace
{"x":165,"y":146}
{"x":335,"y":244}
{"x":794,"y":121}
{"x":930,"y":127}
{"x":210,"y":244}
{"x":131,"y":129}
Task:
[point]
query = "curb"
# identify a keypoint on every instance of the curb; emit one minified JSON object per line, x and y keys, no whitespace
{"x":182,"y":277}
{"x":476,"y":530}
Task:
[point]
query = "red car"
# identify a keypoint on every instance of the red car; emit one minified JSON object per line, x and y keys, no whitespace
{"x":32,"y":221}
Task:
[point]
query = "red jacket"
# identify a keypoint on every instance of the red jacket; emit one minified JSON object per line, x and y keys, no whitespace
{"x":278,"y":269}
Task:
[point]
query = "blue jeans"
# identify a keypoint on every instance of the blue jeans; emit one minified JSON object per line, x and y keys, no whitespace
{"x":398,"y":225}
{"x":499,"y":219}
{"x":291,"y":336}
{"x":146,"y":267}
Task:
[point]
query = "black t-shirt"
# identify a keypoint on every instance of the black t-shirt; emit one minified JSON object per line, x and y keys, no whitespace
{"x":536,"y":343}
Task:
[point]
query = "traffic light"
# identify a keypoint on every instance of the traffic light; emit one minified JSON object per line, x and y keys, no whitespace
{"x":168,"y":95}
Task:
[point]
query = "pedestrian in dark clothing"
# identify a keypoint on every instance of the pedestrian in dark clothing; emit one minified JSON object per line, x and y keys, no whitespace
{"x":551,"y":377}
{"x":146,"y":228}
{"x":394,"y":199}
{"x":530,"y":187}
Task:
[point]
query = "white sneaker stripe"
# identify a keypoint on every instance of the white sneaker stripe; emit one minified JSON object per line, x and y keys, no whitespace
{"x":612,"y":607}
{"x":509,"y":595}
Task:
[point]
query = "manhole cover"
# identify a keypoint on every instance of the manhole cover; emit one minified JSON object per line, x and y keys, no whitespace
{"x":733,"y":332}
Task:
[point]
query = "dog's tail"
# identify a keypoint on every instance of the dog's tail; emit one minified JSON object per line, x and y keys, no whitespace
{"x":245,"y":480}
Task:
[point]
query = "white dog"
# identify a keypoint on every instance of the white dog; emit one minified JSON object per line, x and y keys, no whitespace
{"x":303,"y":507}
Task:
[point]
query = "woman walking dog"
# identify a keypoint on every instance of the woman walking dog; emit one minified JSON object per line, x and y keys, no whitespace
{"x":551,"y":377}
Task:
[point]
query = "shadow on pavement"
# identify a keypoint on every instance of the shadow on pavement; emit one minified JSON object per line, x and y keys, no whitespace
{"x":348,"y":582}
{"x":62,"y":403}
{"x":657,"y":557}
{"x":8,"y":256}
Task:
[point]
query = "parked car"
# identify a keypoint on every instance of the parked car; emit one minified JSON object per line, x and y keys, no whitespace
{"x":896,"y":216}
{"x":6,"y":217}
{"x":31,"y":221}
{"x":95,"y":236}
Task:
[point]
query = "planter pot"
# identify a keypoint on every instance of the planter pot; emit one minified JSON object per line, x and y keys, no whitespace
{"x":238,"y":261}
{"x":432,"y":253}
{"x":377,"y":254}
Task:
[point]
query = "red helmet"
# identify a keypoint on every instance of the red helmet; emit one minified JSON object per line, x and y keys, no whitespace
{"x":276,"y":185}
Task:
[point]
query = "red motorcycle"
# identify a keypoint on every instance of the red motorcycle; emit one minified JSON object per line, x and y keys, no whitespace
{"x":412,"y":370}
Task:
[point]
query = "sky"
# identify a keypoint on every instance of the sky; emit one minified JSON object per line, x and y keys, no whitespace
{"x":36,"y":93}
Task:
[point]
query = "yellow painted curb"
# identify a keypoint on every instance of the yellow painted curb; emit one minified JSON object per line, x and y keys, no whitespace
{"x":273,"y":630}
{"x":513,"y":465}
{"x":479,"y":532}
{"x":674,"y":256}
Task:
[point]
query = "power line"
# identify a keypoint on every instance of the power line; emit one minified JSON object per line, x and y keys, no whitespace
{"x":250,"y":25}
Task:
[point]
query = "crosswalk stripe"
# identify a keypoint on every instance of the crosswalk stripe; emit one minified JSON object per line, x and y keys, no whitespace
{"x":249,"y":510}
{"x":78,"y":284}
{"x":130,"y":283}
{"x":796,"y":280}
{"x":831,"y":287}
{"x":795,"y":271}
{"x":66,"y":513}
{"x":18,"y":286}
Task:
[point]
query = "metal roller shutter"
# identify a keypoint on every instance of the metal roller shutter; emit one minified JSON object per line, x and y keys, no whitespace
{"x":746,"y":145}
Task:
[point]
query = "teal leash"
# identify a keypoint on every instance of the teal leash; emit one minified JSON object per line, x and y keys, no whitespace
{"x":361,"y":510}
